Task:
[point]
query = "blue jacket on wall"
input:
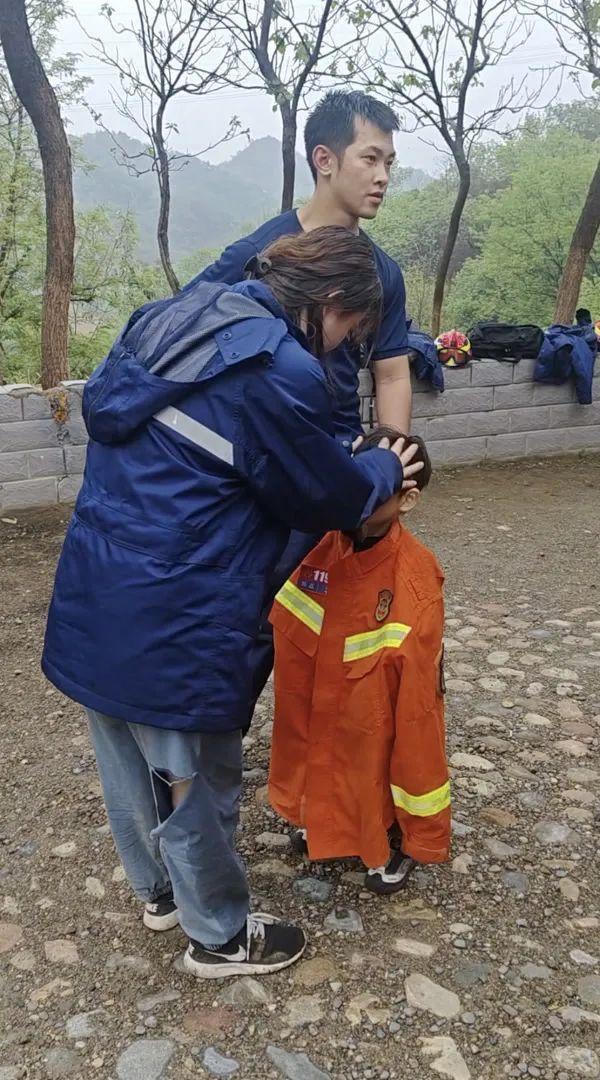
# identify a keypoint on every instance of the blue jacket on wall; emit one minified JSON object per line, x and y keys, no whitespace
{"x":568,"y":351}
{"x":211,"y":436}
{"x":425,"y":361}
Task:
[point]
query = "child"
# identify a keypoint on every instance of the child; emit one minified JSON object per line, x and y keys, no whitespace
{"x":358,"y":741}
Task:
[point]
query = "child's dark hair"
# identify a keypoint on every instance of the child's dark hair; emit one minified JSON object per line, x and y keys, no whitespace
{"x":372,"y":440}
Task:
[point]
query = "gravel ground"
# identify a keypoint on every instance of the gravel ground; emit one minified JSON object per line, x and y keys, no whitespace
{"x":486,"y":967}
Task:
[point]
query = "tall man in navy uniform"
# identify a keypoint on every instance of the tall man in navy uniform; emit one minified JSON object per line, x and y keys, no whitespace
{"x":350,"y":152}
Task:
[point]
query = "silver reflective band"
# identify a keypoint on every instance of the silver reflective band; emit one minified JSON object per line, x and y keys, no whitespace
{"x":197,"y":433}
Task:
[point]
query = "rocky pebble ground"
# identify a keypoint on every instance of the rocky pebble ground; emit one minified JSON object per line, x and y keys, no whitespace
{"x":486,"y":967}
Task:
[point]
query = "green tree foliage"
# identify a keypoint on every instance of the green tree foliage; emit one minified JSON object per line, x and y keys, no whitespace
{"x":524,"y":230}
{"x":525,"y":198}
{"x":411,"y":226}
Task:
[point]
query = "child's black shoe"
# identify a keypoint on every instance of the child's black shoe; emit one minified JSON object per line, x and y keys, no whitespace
{"x":298,"y":842}
{"x":391,"y":878}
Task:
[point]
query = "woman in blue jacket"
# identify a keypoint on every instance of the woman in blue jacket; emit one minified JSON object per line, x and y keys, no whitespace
{"x":210,"y":438}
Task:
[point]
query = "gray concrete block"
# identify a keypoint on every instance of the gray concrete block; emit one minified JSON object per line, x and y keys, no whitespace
{"x":470,"y":399}
{"x":49,"y":462}
{"x":546,"y":394}
{"x":505,"y":447}
{"x":490,"y":373}
{"x":13,"y":467}
{"x":36,"y":407}
{"x":28,"y":435}
{"x":457,"y":378}
{"x":516,"y":396}
{"x":426,"y":404}
{"x":10,"y":408}
{"x":574,"y":415}
{"x":523,"y":371}
{"x":495,"y":422}
{"x":76,"y":432}
{"x":466,"y":425}
{"x":76,"y":385}
{"x":68,"y":489}
{"x":366,"y":386}
{"x":448,"y":427}
{"x":75,"y":459}
{"x":75,"y":403}
{"x":24,"y":494}
{"x":532,"y":418}
{"x":420,"y":386}
{"x":457,"y":451}
{"x":545,"y":442}
{"x":583,"y":438}
{"x":419,"y":427}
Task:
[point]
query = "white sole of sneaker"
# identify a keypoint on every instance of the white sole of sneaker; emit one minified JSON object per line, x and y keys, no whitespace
{"x":161,"y":922}
{"x":227,"y":971}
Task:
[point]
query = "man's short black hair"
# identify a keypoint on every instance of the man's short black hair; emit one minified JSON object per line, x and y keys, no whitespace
{"x":331,"y":122}
{"x":583,"y":316}
{"x":383,"y":431}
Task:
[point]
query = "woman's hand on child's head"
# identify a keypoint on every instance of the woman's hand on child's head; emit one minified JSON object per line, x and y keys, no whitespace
{"x":405,"y":457}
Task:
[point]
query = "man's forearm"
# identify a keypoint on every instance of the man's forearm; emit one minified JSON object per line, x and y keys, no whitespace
{"x":393,"y":392}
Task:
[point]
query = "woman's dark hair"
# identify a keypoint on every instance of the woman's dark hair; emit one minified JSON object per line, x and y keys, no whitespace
{"x":328,"y":267}
{"x":332,"y":122}
{"x":370,"y":441}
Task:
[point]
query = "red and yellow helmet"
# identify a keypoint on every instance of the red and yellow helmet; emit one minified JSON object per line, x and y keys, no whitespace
{"x":453,"y":348}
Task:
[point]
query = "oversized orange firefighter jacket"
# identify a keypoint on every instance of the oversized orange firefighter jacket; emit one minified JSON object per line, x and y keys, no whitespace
{"x":359,"y":739}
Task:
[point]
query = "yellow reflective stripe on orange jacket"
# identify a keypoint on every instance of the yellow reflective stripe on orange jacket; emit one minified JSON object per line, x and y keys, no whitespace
{"x":302,"y":606}
{"x":422,"y":805}
{"x":390,"y":636}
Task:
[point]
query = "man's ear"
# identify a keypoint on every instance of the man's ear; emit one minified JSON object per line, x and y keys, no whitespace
{"x":409,"y":500}
{"x":323,"y":160}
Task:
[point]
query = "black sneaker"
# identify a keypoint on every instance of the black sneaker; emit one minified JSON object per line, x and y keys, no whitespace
{"x":391,"y":878}
{"x":298,"y":842}
{"x":161,"y":914}
{"x":265,"y":944}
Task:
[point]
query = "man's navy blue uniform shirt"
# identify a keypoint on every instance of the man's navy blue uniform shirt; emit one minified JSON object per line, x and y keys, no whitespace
{"x":343,"y":364}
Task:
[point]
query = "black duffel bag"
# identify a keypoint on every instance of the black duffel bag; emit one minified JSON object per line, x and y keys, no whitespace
{"x":505,"y":341}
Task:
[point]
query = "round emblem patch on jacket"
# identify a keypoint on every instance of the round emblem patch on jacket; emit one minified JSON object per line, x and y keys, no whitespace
{"x":384,"y":603}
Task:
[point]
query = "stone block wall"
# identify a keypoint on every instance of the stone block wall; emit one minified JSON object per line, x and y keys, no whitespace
{"x":42,"y":446}
{"x":490,"y":411}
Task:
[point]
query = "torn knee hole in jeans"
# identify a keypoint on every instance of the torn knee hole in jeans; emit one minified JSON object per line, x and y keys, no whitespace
{"x":169,"y":778}
{"x":178,"y":788}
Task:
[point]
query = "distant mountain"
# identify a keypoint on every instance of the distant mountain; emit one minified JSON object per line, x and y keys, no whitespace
{"x":211,"y":205}
{"x":260,"y":163}
{"x":408,"y":179}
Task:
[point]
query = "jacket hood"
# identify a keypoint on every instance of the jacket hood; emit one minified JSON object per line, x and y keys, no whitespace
{"x":169,"y":346}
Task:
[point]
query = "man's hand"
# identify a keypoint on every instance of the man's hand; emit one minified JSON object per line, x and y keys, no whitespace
{"x":405,"y":457}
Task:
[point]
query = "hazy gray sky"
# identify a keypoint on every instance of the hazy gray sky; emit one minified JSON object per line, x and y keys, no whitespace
{"x":201,"y":121}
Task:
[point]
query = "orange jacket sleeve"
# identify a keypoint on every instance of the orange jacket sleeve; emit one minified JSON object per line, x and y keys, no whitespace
{"x":419,"y":771}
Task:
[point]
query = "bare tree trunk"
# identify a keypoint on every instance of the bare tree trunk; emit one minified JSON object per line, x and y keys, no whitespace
{"x":288,"y":154}
{"x":582,"y":243}
{"x":164,"y":187}
{"x":32,"y":86}
{"x":464,"y":185}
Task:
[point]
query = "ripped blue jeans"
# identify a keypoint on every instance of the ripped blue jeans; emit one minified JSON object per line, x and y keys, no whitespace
{"x":189,"y":849}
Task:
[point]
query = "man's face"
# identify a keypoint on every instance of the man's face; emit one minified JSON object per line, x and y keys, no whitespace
{"x":359,"y":178}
